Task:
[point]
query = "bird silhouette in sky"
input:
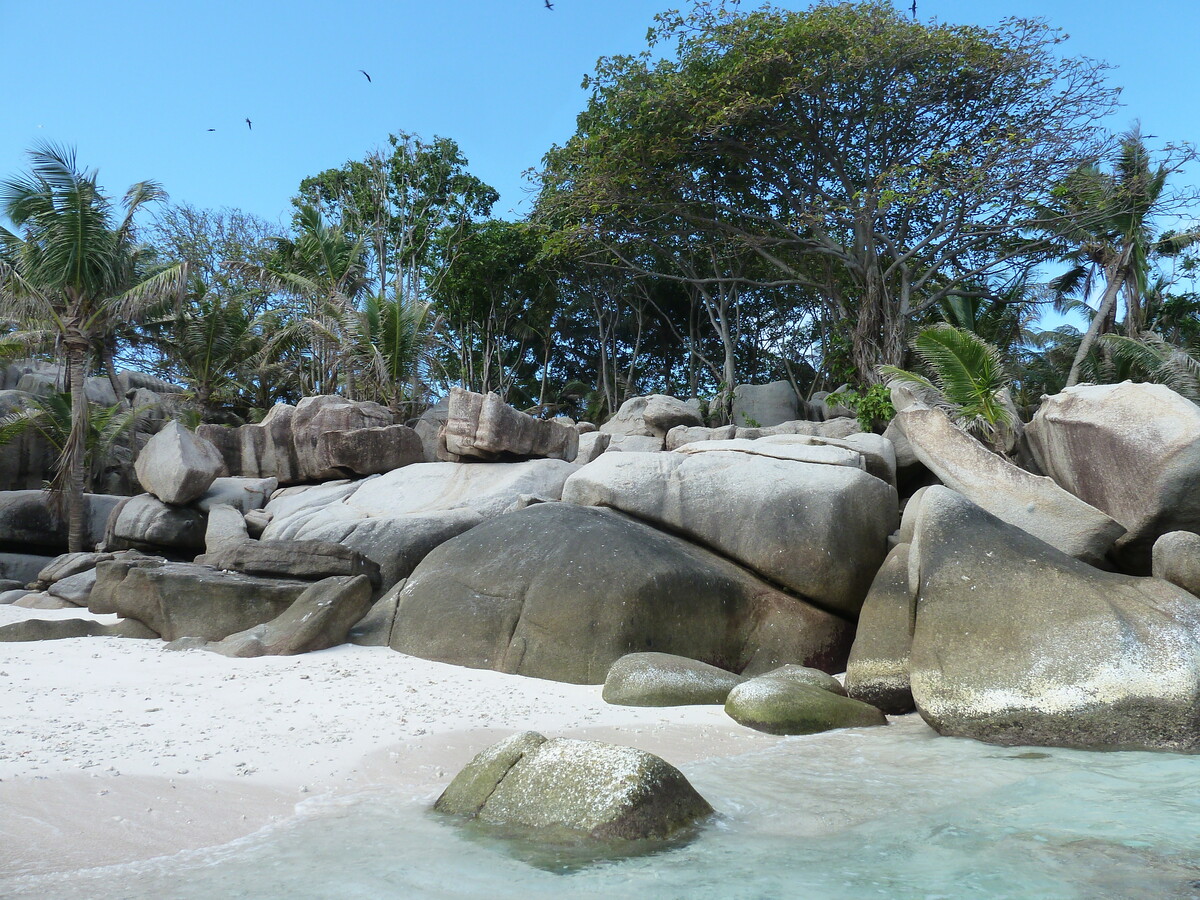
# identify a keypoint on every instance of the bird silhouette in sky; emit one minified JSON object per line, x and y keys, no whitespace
{"x":914,"y":9}
{"x":249,"y":125}
{"x":212,"y":129}
{"x":549,"y":5}
{"x":365,"y":73}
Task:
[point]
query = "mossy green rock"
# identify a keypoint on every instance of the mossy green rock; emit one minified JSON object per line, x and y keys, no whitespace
{"x":559,"y":791}
{"x":472,"y":787}
{"x":663,"y":679}
{"x":783,"y":706}
{"x":806,"y":675}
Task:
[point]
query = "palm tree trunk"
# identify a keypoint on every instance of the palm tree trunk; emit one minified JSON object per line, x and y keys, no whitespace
{"x":71,"y":463}
{"x":1108,"y":304}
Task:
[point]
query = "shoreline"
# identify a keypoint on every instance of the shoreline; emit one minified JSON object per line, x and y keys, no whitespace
{"x":119,"y":750}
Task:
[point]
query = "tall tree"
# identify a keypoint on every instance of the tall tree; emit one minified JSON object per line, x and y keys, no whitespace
{"x":1104,"y":222}
{"x":884,"y":164}
{"x":76,"y":265}
{"x":410,"y":204}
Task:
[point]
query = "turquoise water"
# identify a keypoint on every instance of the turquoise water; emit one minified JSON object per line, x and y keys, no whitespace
{"x":889,"y":812}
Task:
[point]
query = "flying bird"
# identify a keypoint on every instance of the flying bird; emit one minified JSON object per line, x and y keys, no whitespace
{"x":212,"y":129}
{"x":914,"y":9}
{"x":248,"y":124}
{"x":365,"y":73}
{"x":549,"y":5}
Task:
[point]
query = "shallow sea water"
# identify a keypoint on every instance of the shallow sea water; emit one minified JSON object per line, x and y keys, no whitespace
{"x":891,"y":812}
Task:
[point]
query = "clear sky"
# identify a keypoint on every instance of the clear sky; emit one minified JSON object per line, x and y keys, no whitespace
{"x":135,"y":85}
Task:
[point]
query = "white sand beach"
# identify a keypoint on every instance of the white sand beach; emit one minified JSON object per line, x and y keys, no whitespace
{"x":115,"y":750}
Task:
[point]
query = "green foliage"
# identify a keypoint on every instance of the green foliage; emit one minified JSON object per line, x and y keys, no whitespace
{"x":879,"y":163}
{"x":871,"y":406}
{"x":50,"y":418}
{"x":77,"y":270}
{"x":969,"y":380}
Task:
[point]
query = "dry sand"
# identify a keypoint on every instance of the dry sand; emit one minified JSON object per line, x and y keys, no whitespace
{"x":116,"y":750}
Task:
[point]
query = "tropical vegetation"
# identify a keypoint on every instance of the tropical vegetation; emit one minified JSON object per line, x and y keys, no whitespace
{"x":842,"y":197}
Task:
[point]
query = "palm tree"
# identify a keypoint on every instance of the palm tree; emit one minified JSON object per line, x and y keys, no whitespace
{"x":391,"y":341}
{"x":969,"y":381}
{"x":76,"y":269}
{"x":51,"y":418}
{"x":327,"y":268}
{"x":1105,"y":222}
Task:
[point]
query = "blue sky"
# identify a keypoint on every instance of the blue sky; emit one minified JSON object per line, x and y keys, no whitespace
{"x":134,"y":86}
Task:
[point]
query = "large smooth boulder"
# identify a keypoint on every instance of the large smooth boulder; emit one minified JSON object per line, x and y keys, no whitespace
{"x":75,"y":589}
{"x":484,"y":427}
{"x":29,"y":520}
{"x":290,"y":443}
{"x":877,"y":671}
{"x":1018,"y":643}
{"x":64,"y":629}
{"x":809,"y":676}
{"x":365,"y":451}
{"x":652,"y":416}
{"x":660,"y":679}
{"x":177,"y":466}
{"x":244,"y":494}
{"x":1131,"y":450}
{"x":789,"y":706}
{"x":1176,"y":558}
{"x":562,"y":790}
{"x":763,"y":405}
{"x":185,"y":600}
{"x":225,"y":525}
{"x":562,"y":592}
{"x":308,"y":560}
{"x":260,"y":450}
{"x":146,"y":523}
{"x":71,"y":564}
{"x":831,"y":428}
{"x":1033,"y":503}
{"x":22,"y":567}
{"x":817,"y":530}
{"x":318,"y":619}
{"x":317,"y":416}
{"x":428,"y":427}
{"x":395,"y":519}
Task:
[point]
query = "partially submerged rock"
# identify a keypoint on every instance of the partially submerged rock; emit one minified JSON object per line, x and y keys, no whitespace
{"x":661,"y":679}
{"x":1017,"y":643}
{"x":564,"y":790}
{"x":789,"y":706}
